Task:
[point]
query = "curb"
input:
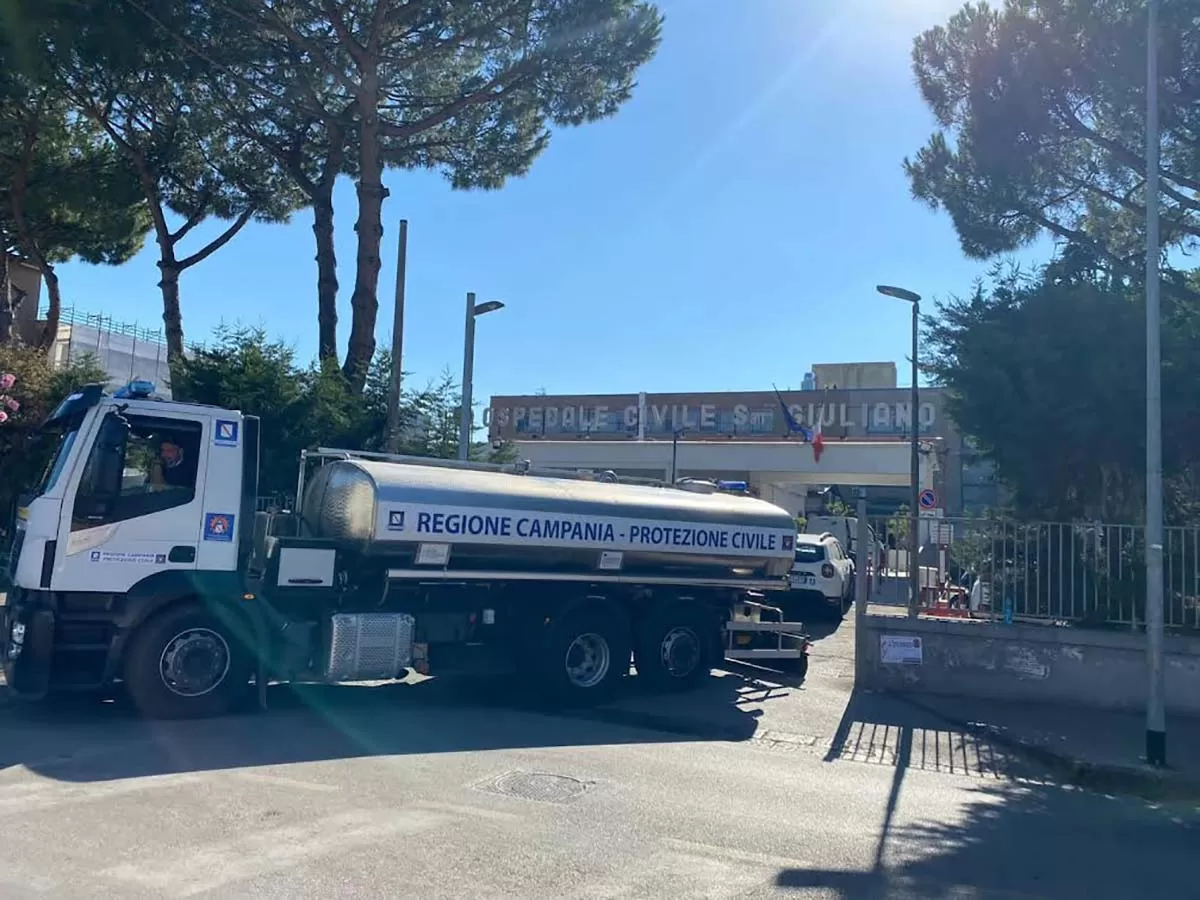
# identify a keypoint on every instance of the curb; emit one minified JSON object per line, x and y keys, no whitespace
{"x":1138,"y":780}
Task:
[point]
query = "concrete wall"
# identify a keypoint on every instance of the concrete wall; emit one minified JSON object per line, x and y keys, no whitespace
{"x":1030,"y":662}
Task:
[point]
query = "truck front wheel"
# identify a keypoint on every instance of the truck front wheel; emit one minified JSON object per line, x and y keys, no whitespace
{"x":676,"y":646}
{"x":185,"y":663}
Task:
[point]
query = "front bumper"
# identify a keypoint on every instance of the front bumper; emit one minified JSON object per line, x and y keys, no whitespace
{"x":26,"y":644}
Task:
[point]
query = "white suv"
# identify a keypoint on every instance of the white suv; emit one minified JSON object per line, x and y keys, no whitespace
{"x":822,"y":572}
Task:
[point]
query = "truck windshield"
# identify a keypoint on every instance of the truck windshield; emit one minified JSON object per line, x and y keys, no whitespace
{"x":58,"y":461}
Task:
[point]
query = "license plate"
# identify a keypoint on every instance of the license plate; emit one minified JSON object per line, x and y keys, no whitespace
{"x":803,"y":580}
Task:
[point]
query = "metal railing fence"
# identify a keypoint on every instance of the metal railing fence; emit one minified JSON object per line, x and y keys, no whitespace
{"x":1090,"y":573}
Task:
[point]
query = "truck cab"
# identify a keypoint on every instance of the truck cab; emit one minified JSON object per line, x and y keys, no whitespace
{"x":141,"y":501}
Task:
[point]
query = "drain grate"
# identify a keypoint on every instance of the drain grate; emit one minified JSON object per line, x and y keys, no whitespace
{"x":543,"y":787}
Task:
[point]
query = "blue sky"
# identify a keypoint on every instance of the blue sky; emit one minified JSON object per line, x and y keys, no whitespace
{"x":723,"y":232}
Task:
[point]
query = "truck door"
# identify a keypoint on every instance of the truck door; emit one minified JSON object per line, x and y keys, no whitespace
{"x":222,"y":493}
{"x":151,"y":521}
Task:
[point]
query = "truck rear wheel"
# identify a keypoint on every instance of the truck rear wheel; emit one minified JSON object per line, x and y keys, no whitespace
{"x":585,"y":656}
{"x":675,"y":646}
{"x":184,"y":663}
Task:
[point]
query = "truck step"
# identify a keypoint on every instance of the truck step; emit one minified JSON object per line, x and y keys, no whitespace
{"x":769,"y":653}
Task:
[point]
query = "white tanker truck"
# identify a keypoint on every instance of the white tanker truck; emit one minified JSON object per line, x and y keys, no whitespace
{"x":140,"y":558}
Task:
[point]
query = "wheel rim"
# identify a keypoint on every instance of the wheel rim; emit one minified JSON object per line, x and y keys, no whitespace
{"x":679,"y":652}
{"x":588,"y":660}
{"x":194,"y":662}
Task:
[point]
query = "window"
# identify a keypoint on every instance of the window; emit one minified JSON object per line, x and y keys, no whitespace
{"x":835,"y":550}
{"x":810,"y":553}
{"x":160,"y":472}
{"x":58,"y":462}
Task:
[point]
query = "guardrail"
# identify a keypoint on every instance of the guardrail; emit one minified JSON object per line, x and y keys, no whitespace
{"x":1060,"y":571}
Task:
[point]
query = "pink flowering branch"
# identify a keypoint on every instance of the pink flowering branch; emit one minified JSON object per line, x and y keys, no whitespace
{"x":7,"y":404}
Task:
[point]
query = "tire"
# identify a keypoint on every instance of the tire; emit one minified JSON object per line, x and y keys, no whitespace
{"x":185,"y":663}
{"x":585,"y":656}
{"x":675,"y":648}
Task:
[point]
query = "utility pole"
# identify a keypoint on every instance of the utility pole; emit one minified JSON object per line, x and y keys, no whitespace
{"x":914,"y":453}
{"x":1156,"y":724}
{"x":393,"y":414}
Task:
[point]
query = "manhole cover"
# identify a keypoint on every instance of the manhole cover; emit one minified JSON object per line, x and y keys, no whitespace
{"x":543,"y":787}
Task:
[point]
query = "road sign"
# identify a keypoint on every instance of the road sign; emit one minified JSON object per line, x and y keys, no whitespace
{"x":928,"y":498}
{"x":944,"y":532}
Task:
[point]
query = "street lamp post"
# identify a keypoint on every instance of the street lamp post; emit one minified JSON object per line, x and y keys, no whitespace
{"x":914,"y":570}
{"x":1156,"y":725}
{"x":464,"y":422}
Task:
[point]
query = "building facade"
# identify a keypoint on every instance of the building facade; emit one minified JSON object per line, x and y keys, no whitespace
{"x":963,"y":481}
{"x":122,"y":349}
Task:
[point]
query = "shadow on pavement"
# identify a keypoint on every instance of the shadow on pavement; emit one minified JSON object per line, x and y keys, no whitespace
{"x":1021,"y":835}
{"x":884,"y":729}
{"x":95,"y":739}
{"x":1027,"y":841}
{"x":819,"y":629}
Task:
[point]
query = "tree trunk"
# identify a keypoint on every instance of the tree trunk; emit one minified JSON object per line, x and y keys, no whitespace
{"x":172,"y":315}
{"x":49,"y":332}
{"x":6,"y":304}
{"x":364,"y":302}
{"x":327,"y":283}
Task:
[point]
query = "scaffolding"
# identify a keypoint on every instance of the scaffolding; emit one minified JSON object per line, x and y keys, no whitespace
{"x":125,"y":350}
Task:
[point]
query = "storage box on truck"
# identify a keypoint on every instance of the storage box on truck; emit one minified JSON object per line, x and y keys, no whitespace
{"x":141,"y":559}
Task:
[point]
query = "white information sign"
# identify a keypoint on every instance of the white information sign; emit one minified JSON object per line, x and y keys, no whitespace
{"x":611,"y":560}
{"x":897,"y":649}
{"x":433,"y":554}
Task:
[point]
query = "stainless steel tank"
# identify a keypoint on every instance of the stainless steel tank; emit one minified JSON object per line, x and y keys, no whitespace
{"x":564,"y":524}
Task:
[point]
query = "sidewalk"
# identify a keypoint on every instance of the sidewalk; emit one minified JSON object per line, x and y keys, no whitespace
{"x":1098,"y":749}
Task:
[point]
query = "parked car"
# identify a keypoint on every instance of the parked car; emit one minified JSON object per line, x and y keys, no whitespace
{"x":822,"y":576}
{"x":845,"y":529}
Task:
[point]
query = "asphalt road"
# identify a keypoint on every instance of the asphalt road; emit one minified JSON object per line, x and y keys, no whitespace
{"x":752,"y":788}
